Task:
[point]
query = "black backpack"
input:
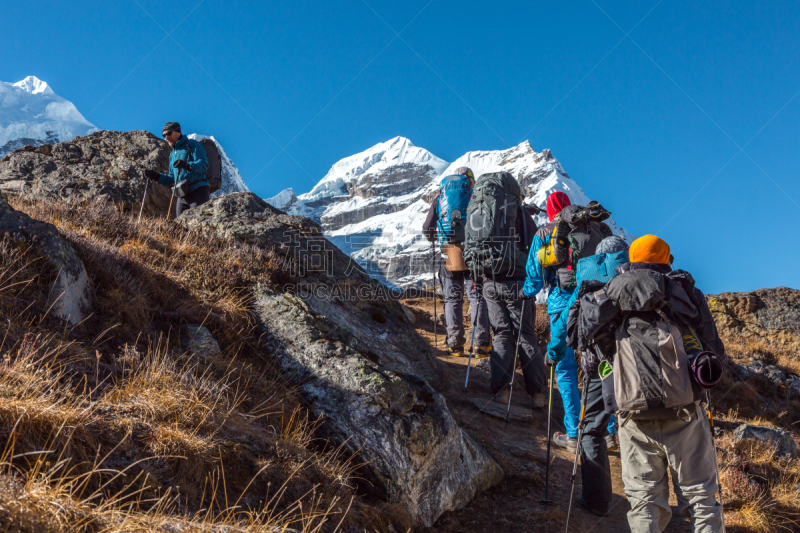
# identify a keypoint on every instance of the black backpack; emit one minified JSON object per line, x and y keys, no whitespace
{"x":577,"y":233}
{"x":214,"y":171}
{"x":492,"y":245}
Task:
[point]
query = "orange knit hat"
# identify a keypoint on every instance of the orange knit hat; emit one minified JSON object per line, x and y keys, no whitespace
{"x":649,"y":249}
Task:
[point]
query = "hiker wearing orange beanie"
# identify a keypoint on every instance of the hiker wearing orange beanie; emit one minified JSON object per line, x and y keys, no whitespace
{"x":663,"y":432}
{"x":649,"y":249}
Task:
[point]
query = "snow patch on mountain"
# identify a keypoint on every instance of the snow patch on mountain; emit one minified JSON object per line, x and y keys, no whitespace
{"x":380,"y":158}
{"x":283,"y":199}
{"x":231,"y":178}
{"x":31,"y":113}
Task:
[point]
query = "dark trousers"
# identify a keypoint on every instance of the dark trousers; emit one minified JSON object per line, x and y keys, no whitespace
{"x":454,"y":286}
{"x":595,"y":470}
{"x":504,"y":303}
{"x":197,"y":197}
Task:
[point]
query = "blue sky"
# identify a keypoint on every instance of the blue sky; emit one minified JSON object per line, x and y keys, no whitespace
{"x":680,"y":117}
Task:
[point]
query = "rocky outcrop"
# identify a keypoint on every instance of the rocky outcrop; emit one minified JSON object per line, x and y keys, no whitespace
{"x":350,"y":348}
{"x":106,"y":165}
{"x":780,"y":439}
{"x":71,"y":293}
{"x":198,"y":341}
{"x":775,"y":374}
{"x":772,"y":315}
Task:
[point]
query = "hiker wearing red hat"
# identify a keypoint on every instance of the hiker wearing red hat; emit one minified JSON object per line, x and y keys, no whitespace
{"x":558,"y":353}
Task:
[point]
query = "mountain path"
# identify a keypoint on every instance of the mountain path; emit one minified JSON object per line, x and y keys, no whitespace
{"x":514,"y":505}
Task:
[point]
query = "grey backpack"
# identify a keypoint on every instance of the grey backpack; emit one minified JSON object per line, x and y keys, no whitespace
{"x":651,"y":366}
{"x":492,"y":245}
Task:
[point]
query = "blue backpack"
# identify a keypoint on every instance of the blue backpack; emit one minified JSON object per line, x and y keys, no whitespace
{"x":600,"y":267}
{"x":454,"y":194}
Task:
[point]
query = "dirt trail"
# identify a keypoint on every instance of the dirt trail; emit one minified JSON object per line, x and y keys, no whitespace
{"x":514,"y":505}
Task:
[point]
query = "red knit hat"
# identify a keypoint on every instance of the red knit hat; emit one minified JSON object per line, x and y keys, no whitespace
{"x":555,"y":203}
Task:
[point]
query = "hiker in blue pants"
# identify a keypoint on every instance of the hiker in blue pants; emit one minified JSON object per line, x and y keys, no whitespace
{"x":558,"y":354}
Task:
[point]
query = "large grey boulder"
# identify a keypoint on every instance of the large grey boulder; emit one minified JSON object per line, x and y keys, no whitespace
{"x":71,"y":294}
{"x":780,"y":439}
{"x":107,"y":165}
{"x":349,"y":348}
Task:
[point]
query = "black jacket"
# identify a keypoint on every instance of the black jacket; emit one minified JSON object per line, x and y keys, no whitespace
{"x":429,"y":228}
{"x":599,"y":310}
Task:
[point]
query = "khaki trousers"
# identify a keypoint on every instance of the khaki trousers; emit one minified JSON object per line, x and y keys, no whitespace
{"x":647,"y":449}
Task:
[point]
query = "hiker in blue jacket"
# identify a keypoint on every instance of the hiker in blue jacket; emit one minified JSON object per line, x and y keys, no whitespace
{"x":558,"y":353}
{"x":188,"y":162}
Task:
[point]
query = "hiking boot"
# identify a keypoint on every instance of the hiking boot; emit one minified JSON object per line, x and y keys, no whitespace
{"x":502,"y":396}
{"x":563,"y":441}
{"x":483,"y":351}
{"x":455,"y":351}
{"x":611,"y":442}
{"x":597,"y":512}
{"x":539,"y":401}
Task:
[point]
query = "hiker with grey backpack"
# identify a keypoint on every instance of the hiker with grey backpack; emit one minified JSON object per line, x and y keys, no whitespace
{"x":446,"y":220}
{"x":188,"y":169}
{"x":498,"y":237}
{"x":660,"y":349}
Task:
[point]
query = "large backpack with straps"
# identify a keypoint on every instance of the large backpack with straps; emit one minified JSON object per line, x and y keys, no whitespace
{"x":651,"y":364}
{"x":214,"y":171}
{"x":492,"y":244}
{"x":577,"y":232}
{"x":454,"y":195}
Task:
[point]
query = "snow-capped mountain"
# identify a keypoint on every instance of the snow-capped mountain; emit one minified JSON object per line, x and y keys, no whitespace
{"x":372,"y":205}
{"x":31,"y":113}
{"x":231,"y":178}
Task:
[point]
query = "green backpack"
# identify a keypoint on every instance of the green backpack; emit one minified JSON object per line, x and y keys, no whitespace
{"x":492,"y":246}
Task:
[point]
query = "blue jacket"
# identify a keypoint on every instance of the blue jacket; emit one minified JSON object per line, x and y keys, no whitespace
{"x":193,"y":153}
{"x":537,"y":275}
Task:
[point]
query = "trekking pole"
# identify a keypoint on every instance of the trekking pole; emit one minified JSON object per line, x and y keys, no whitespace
{"x":435,"y":313}
{"x":147,"y":181}
{"x":716,"y":460}
{"x":514,"y":368}
{"x":547,"y":466}
{"x":474,"y":324}
{"x":578,"y":448}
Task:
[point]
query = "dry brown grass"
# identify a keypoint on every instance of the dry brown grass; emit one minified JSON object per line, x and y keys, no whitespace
{"x":112,"y":426}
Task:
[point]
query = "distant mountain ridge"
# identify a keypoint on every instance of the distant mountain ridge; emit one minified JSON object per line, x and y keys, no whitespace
{"x":372,"y":204}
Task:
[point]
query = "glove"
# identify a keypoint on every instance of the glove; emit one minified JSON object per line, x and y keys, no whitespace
{"x":549,"y":362}
{"x":152,"y":175}
{"x":182,"y":165}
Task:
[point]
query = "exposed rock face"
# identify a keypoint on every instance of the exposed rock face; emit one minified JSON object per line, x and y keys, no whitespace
{"x":106,"y":164}
{"x":782,"y":441}
{"x":351,"y":350}
{"x":777,"y":375}
{"x":196,"y":339}
{"x":70,"y":297}
{"x":770,"y":314}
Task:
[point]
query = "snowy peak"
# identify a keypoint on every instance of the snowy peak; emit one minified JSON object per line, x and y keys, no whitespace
{"x":283,"y":200}
{"x":375,"y":161}
{"x":372,"y":205}
{"x":34,"y":85}
{"x":31,"y":113}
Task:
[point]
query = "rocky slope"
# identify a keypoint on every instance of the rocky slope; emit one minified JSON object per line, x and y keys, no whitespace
{"x":771,"y":315}
{"x":107,"y":165}
{"x":357,"y":361}
{"x":372,"y":204}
